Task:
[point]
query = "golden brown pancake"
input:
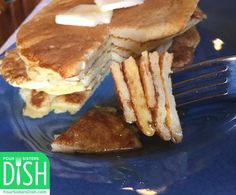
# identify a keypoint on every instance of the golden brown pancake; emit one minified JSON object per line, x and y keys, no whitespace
{"x":183,"y":47}
{"x":14,"y":72}
{"x":154,"y":19}
{"x":13,"y":69}
{"x":99,"y":130}
{"x":159,"y":112}
{"x":39,"y":104}
{"x":172,"y":118}
{"x":59,"y":51}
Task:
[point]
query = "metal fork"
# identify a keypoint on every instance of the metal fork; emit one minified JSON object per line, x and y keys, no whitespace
{"x":209,"y":81}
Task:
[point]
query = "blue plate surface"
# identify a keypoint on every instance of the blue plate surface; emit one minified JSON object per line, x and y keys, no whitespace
{"x":204,"y":163}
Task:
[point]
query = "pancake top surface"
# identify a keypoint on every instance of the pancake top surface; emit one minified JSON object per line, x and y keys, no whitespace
{"x":43,"y":43}
{"x":99,"y":130}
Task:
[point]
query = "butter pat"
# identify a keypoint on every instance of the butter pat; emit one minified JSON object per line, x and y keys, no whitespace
{"x":84,"y":15}
{"x":107,"y":5}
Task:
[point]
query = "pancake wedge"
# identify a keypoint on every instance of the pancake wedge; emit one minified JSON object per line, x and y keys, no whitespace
{"x":91,"y":134}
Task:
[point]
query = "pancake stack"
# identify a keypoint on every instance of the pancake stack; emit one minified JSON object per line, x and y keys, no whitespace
{"x":58,"y":67}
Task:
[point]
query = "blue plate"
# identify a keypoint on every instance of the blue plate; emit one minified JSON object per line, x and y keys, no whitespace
{"x":203,"y":164}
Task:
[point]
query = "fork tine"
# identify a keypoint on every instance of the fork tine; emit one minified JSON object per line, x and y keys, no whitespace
{"x":197,"y":71}
{"x":204,"y":93}
{"x":207,"y":81}
{"x":199,"y":82}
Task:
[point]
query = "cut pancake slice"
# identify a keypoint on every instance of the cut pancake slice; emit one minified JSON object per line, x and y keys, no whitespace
{"x":148,"y":86}
{"x":146,"y":78}
{"x":159,"y":112}
{"x":172,"y":119}
{"x":151,"y":81}
{"x":14,"y":72}
{"x":122,"y":91}
{"x":142,"y":112}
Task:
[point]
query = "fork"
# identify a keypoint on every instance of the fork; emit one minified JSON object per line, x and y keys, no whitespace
{"x":18,"y":164}
{"x":209,"y":81}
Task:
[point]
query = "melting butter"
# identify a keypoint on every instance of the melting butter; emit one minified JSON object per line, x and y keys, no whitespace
{"x":84,"y":15}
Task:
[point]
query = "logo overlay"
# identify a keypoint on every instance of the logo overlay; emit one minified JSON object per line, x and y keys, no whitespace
{"x":24,"y":173}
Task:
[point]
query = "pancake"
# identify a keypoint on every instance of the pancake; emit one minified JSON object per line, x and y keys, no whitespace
{"x":122,"y":91}
{"x":38,"y":107}
{"x":56,"y":52}
{"x":137,"y":96}
{"x":138,"y":47}
{"x":172,"y":118}
{"x":183,"y":47}
{"x":159,"y":111}
{"x":39,"y":104}
{"x":99,"y":130}
{"x":14,"y":72}
{"x":52,"y":61}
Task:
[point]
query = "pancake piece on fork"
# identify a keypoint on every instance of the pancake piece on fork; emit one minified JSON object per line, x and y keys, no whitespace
{"x":150,"y":92}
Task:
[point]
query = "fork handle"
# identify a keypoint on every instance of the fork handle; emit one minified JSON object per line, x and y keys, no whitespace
{"x":18,"y":176}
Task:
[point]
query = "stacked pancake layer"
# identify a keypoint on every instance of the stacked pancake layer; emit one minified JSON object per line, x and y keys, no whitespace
{"x":60,"y":60}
